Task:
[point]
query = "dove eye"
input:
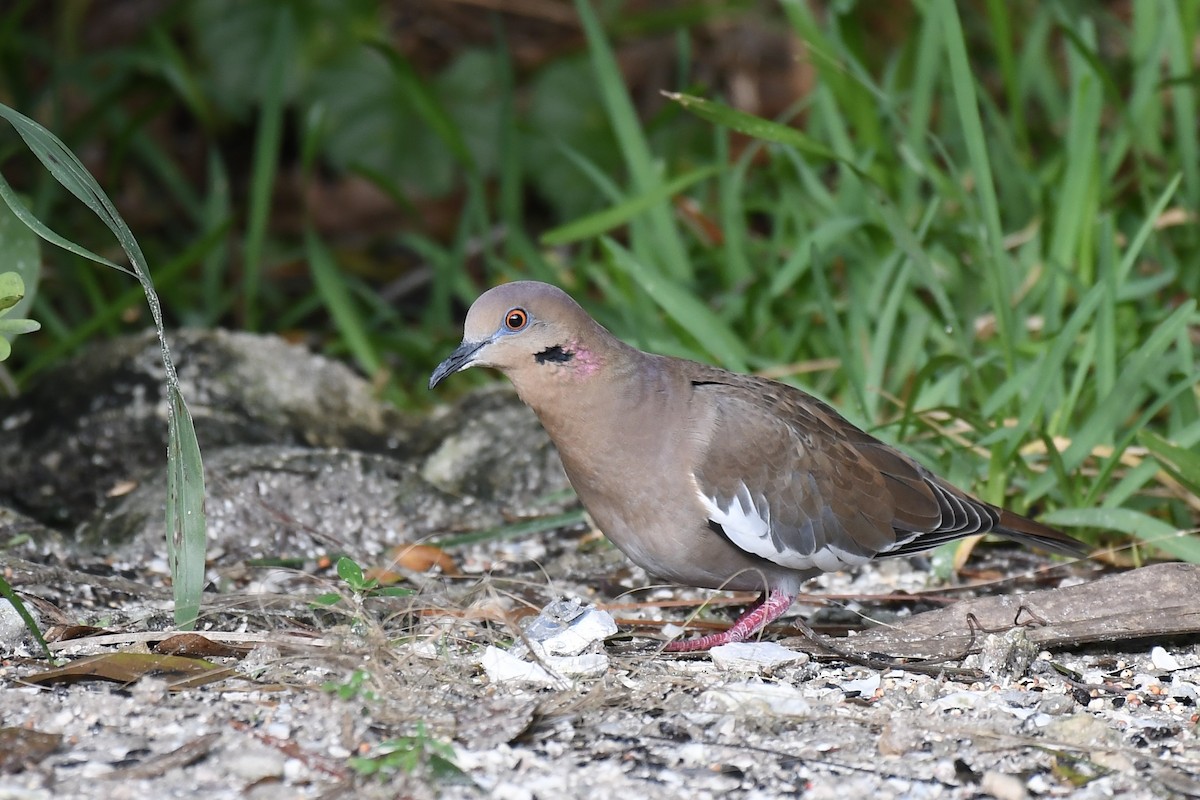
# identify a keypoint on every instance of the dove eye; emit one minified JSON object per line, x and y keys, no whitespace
{"x":516,"y":319}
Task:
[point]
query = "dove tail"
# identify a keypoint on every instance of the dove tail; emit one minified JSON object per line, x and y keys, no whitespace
{"x":1035,"y":534}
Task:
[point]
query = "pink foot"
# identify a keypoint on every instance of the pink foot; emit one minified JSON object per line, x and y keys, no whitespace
{"x":766,"y":610}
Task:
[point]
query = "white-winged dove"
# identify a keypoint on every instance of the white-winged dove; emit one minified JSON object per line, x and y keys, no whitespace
{"x":709,"y":478}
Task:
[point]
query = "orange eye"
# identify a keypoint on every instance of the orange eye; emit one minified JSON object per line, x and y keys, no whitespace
{"x":516,"y":319}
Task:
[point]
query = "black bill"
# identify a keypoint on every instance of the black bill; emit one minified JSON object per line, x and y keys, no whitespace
{"x":459,"y":359}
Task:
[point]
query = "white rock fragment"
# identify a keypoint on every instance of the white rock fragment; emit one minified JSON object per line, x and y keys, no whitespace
{"x":958,"y":701}
{"x":1163,"y":660}
{"x":1182,"y":690}
{"x":593,"y":625}
{"x":753,"y":698}
{"x":502,"y":666}
{"x":672,"y":631}
{"x":425,"y":649}
{"x":1033,"y":716}
{"x":567,"y":627}
{"x":510,"y":791}
{"x":254,"y":763}
{"x":1002,"y":786}
{"x":755,"y":656}
{"x":1142,"y":680}
{"x":553,"y":645}
{"x":863,"y":687}
{"x":13,"y":633}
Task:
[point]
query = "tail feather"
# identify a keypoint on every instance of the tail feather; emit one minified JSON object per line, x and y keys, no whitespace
{"x":1035,"y":534}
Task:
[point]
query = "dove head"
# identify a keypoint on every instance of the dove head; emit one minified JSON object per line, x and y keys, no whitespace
{"x":535,"y":334}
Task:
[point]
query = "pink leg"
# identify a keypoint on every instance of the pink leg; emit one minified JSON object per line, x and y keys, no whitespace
{"x":768,"y":609}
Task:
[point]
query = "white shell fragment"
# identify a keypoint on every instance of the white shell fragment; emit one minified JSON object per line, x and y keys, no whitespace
{"x":558,"y":638}
{"x":862,"y":687}
{"x":755,"y":656}
{"x":1163,"y":660}
{"x":567,"y":628}
{"x":502,"y":666}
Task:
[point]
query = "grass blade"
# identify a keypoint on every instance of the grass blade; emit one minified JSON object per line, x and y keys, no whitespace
{"x":186,"y":526}
{"x":7,"y":593}
{"x":682,"y":306}
{"x":337,"y":300}
{"x":664,"y":245}
{"x":756,"y":127}
{"x":602,"y":222}
{"x":266,"y":157}
{"x":1183,"y":464}
{"x":996,"y":270}
{"x":1155,"y":532}
{"x":1107,"y":415}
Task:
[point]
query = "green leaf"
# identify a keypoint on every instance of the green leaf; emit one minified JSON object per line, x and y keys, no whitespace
{"x":657,"y":239}
{"x":682,"y":306}
{"x":564,"y":134}
{"x":756,"y":127}
{"x":535,"y":525}
{"x":609,"y":218}
{"x":267,"y":143}
{"x":187,"y":536}
{"x":37,"y":226}
{"x":7,"y":593}
{"x":326,"y":599}
{"x":331,"y":285}
{"x":186,"y":525}
{"x":12,"y":290}
{"x":19,"y":326}
{"x":997,"y":272}
{"x":21,"y":256}
{"x":1106,"y":416}
{"x":1181,"y":463}
{"x":349,"y":571}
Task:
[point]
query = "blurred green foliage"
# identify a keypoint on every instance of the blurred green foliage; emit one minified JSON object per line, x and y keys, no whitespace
{"x":984,"y":244}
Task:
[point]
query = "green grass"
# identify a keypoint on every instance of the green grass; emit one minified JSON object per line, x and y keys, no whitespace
{"x":988,"y":222}
{"x":185,"y":523}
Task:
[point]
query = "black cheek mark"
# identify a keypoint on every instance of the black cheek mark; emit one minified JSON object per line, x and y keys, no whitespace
{"x":554,"y":355}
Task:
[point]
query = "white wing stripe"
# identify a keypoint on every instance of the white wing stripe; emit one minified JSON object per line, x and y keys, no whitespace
{"x":747,"y":525}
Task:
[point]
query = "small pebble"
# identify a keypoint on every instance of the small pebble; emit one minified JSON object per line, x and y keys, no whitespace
{"x":1002,"y":786}
{"x":756,"y":656}
{"x":1163,"y":660}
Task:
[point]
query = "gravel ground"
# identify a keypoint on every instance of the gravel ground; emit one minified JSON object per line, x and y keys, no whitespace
{"x":404,"y":674}
{"x":384,"y":697}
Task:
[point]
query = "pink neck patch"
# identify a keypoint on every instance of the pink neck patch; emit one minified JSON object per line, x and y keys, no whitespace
{"x":585,"y":362}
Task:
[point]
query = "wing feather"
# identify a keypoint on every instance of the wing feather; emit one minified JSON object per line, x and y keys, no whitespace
{"x":786,"y":478}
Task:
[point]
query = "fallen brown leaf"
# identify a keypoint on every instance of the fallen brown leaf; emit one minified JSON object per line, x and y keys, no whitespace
{"x":420,"y":558}
{"x":129,"y":667}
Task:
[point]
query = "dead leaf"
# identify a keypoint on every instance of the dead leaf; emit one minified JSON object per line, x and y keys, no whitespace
{"x":66,"y":633}
{"x":421,"y":558}
{"x":121,"y":488}
{"x":129,"y":667}
{"x":195,"y":645}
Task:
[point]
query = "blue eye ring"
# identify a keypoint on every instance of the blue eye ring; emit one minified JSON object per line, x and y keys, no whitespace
{"x":516,"y":319}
